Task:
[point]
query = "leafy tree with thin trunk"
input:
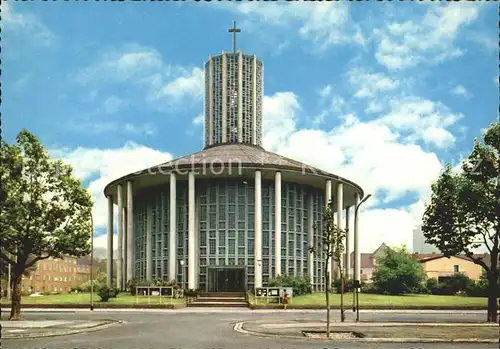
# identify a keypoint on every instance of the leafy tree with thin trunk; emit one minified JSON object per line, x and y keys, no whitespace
{"x":44,"y":210}
{"x":464,"y":211}
{"x":398,"y":273}
{"x":331,"y":248}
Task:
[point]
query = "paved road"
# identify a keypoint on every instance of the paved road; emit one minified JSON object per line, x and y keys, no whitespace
{"x":206,"y":330}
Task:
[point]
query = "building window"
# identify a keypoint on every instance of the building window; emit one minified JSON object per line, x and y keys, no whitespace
{"x":456,"y":268}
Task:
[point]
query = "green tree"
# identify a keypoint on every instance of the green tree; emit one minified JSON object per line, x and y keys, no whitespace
{"x":332,"y":248}
{"x":398,"y":273}
{"x":464,"y":211}
{"x":44,"y":211}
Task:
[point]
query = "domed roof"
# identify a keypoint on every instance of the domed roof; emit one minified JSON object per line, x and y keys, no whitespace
{"x":241,"y":154}
{"x":218,"y":160}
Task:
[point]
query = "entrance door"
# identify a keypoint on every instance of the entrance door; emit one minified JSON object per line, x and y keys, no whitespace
{"x":226,"y":279}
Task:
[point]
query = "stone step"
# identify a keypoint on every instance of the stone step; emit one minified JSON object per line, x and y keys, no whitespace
{"x":221,"y":299}
{"x":222,"y":294}
{"x":219,"y":304}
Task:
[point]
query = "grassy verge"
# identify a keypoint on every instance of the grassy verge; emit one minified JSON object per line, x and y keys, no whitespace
{"x":84,"y":298}
{"x":435,"y":332}
{"x":317,"y":299}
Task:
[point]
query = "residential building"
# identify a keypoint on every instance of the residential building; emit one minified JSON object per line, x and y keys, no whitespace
{"x":368,"y":262}
{"x":438,"y":266}
{"x":57,"y":275}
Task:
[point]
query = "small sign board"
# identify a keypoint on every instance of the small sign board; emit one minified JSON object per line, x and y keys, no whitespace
{"x":274,"y":292}
{"x":261,"y":292}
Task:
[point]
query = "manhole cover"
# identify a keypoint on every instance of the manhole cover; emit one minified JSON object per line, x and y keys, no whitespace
{"x":333,"y":335}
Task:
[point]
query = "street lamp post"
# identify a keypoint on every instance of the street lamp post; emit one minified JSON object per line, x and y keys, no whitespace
{"x":356,"y":261}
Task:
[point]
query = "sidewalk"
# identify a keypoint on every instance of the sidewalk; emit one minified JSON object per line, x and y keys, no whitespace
{"x":373,"y":332}
{"x":48,"y":328}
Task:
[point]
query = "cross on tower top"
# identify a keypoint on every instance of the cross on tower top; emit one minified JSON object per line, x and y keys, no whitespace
{"x":234,"y":30}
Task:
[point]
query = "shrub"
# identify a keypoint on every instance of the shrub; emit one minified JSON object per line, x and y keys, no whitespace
{"x":191,"y":293}
{"x":113,"y":292}
{"x":300,"y":285}
{"x":348,"y":285}
{"x":370,"y":288}
{"x":86,"y":286}
{"x":104,"y":293}
{"x":131,"y":285}
{"x":456,"y":283}
{"x":75,"y":289}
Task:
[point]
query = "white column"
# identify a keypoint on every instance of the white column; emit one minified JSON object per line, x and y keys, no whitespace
{"x":130,"y":232}
{"x":210,"y":128}
{"x":149,"y":246}
{"x":356,"y":240}
{"x":124,"y":246}
{"x":224,"y":97}
{"x":347,"y":246}
{"x":310,"y":238}
{"x":254,"y":100}
{"x":119,"y":264}
{"x":258,"y":229}
{"x":328,"y":198}
{"x":340,"y":223}
{"x":240,"y":97}
{"x":109,"y":262}
{"x":172,"y":250}
{"x":277,"y":224}
{"x":191,"y":235}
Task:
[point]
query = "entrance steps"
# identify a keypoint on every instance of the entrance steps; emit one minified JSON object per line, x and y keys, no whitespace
{"x":220,"y":299}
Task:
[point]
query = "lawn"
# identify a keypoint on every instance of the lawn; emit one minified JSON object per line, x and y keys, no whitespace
{"x":318,"y":298}
{"x":84,"y":298}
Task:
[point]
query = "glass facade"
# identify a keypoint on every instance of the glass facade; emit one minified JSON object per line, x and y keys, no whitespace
{"x":225,"y":231}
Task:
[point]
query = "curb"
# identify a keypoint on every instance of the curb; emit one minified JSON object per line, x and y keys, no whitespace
{"x":63,"y":333}
{"x":315,"y":307}
{"x":99,"y":306}
{"x":238,"y":327}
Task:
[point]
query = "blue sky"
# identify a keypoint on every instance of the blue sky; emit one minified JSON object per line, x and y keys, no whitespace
{"x":383,"y":93}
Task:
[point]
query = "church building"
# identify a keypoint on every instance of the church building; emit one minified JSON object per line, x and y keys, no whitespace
{"x":233,"y":215}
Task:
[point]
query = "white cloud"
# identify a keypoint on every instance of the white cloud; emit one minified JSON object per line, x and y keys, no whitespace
{"x":130,"y":62}
{"x":427,"y":40}
{"x":101,"y":166}
{"x":112,"y":105}
{"x":155,"y":82}
{"x":324,"y":23}
{"x":276,"y":127}
{"x":100,"y":127}
{"x":423,"y":120}
{"x":371,"y":154}
{"x":27,"y":25}
{"x":325,"y":91}
{"x":369,"y":84}
{"x":189,"y":85}
{"x":459,"y":90}
{"x":487,"y":41}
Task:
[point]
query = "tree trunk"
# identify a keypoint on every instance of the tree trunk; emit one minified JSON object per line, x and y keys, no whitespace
{"x":492,"y":297}
{"x":327,"y":292}
{"x":342,"y":318}
{"x":15,"y":310}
